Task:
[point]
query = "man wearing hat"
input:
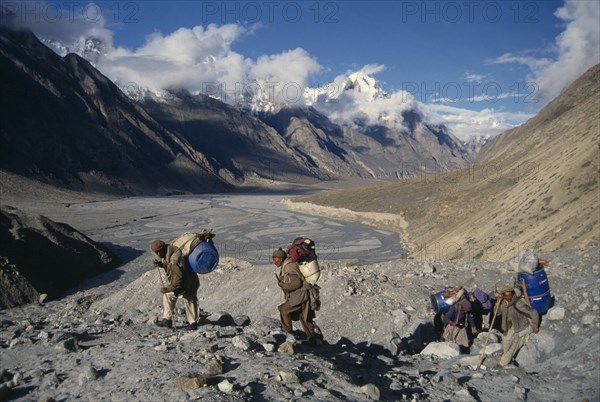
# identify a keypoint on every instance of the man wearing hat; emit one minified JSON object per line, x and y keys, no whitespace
{"x":518,"y":321}
{"x":297,"y":301}
{"x":183,"y":282}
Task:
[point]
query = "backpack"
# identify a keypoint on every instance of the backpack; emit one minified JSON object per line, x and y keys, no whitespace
{"x":483,"y":298}
{"x":314,"y":297}
{"x":527,"y":262}
{"x":303,"y":252}
{"x":199,"y":249}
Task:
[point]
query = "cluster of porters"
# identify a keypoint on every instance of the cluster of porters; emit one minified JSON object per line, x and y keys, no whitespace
{"x":459,"y":313}
{"x":515,"y":310}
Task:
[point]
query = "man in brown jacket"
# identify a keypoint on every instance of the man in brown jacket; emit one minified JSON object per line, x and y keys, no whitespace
{"x":183,"y":282}
{"x":296,"y":293}
{"x":518,"y":321}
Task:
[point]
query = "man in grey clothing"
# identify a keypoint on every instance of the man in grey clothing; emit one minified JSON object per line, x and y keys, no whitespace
{"x":519,"y":320}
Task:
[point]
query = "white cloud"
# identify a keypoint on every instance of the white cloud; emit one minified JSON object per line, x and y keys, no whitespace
{"x":201,"y":59}
{"x":490,"y":98}
{"x":466,"y":123}
{"x":371,"y":105}
{"x":188,"y":46}
{"x":196,"y":59}
{"x":577,"y":49}
{"x":355,"y":99}
{"x":371,"y":69}
{"x":50,"y":21}
{"x":473,"y":77}
{"x":284,"y":75}
{"x":530,"y":61}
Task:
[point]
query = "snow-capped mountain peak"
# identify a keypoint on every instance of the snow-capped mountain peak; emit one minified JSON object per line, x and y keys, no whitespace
{"x":89,"y":48}
{"x":364,"y":84}
{"x":475,"y":143}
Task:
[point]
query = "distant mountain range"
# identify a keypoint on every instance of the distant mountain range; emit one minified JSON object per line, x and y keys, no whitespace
{"x":532,"y":187}
{"x":66,"y":124}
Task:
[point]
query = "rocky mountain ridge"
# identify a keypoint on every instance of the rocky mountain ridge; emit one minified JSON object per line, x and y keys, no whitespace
{"x":66,"y":124}
{"x":172,"y":141}
{"x":240,"y":146}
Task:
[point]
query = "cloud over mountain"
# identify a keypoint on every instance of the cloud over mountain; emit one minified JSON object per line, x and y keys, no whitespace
{"x":356,"y":99}
{"x":202,"y":59}
{"x":199,"y":59}
{"x":467,"y":123}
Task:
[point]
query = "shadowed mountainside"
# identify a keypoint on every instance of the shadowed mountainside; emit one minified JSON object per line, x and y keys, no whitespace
{"x":66,"y":124}
{"x":240,"y":146}
{"x":377,"y":151}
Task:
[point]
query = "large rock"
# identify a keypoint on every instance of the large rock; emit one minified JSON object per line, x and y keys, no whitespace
{"x":16,"y":290}
{"x":43,"y":256}
{"x":538,"y":347}
{"x":401,"y":320}
{"x":195,"y":381}
{"x":493,"y":348}
{"x":444,"y":350}
{"x":556,"y":313}
{"x":371,"y":391}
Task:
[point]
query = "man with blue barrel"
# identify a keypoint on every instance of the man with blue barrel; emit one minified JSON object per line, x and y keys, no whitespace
{"x":519,"y":320}
{"x":533,"y":280}
{"x":183,"y":282}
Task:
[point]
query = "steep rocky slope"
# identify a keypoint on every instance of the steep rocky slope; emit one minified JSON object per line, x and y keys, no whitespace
{"x":376,"y":151}
{"x":38,"y":255}
{"x":66,"y":124}
{"x":102,"y":344}
{"x":99,"y":342}
{"x":242,"y":147}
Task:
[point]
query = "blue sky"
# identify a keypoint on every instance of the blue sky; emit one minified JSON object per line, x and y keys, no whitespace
{"x":433,"y":44}
{"x":480,"y":66}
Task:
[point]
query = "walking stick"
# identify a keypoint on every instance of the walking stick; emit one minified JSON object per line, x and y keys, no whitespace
{"x":524,"y":286}
{"x":160,"y":277}
{"x":487,"y":338}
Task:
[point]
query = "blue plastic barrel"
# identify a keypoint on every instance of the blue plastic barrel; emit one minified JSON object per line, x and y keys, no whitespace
{"x":204,"y":258}
{"x":438,"y":302}
{"x":538,"y":289}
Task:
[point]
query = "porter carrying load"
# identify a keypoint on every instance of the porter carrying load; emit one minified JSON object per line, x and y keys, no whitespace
{"x":303,"y":252}
{"x":444,"y":299}
{"x":533,"y":281}
{"x":199,"y":249}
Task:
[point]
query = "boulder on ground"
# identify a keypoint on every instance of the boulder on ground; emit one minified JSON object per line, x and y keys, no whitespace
{"x":444,"y":350}
{"x":45,"y":256}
